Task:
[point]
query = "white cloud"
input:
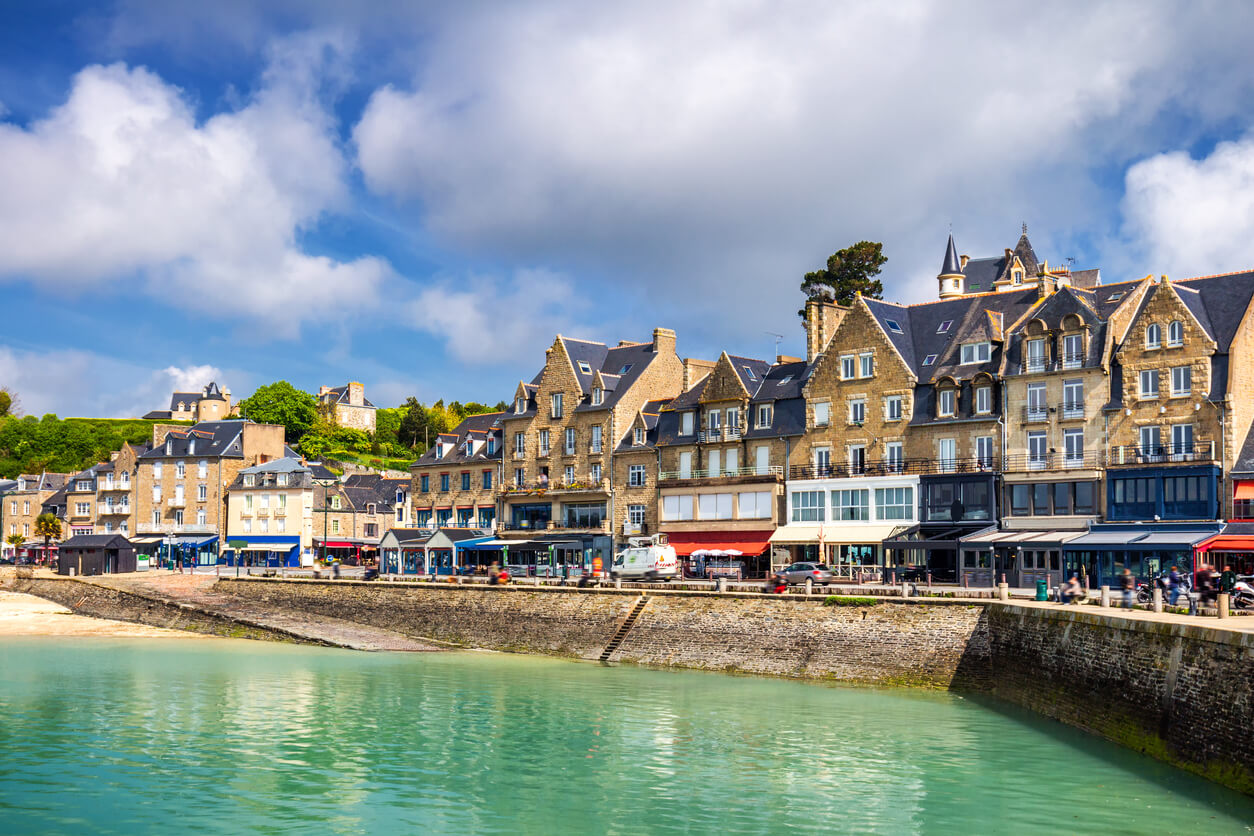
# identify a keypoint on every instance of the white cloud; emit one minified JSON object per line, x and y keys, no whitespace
{"x":1187,"y":217}
{"x":121,"y":179}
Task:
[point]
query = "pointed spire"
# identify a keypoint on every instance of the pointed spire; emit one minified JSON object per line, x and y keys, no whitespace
{"x":952,"y":265}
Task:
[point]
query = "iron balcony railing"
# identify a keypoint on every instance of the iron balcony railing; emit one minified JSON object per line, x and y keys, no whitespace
{"x":972,"y":464}
{"x":1054,"y":460}
{"x":1036,"y":365}
{"x":1035,"y":414}
{"x":1243,"y":509}
{"x":1070,"y":410}
{"x":1039,"y":413}
{"x":1196,"y":451}
{"x":773,"y":472}
{"x":718,"y":434}
{"x":107,"y":510}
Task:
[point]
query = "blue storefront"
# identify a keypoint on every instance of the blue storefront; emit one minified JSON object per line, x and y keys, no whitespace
{"x":1164,"y":493}
{"x":188,"y":550}
{"x":1148,"y":549}
{"x":275,"y":550}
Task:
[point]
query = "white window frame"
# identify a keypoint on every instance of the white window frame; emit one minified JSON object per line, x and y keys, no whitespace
{"x":1147,"y":375}
{"x":570,"y":441}
{"x":595,"y":445}
{"x":848,"y":367}
{"x":556,"y":406}
{"x":1181,"y":381}
{"x":685,"y":423}
{"x":946,"y":403}
{"x":1153,"y":335}
{"x":893,"y":405}
{"x":983,"y":399}
{"x":544,"y":442}
{"x":857,"y":411}
{"x":979,"y":352}
{"x":637,"y":436}
{"x":765,"y":411}
{"x":1175,"y":334}
{"x":866,"y":364}
{"x":637,"y":476}
{"x":822,"y":413}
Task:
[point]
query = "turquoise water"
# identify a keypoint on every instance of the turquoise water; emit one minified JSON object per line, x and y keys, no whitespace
{"x":176,"y":736}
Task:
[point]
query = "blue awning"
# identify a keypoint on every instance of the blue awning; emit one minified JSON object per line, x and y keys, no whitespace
{"x":196,"y":541}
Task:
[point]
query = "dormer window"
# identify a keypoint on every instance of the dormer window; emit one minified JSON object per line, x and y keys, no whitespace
{"x":335,"y":503}
{"x":249,"y":480}
{"x":439,"y":449}
{"x":976,"y":352}
{"x":1154,"y":336}
{"x":637,"y":436}
{"x":685,"y":423}
{"x":491,"y":445}
{"x":764,"y":415}
{"x":191,"y":447}
{"x":945,"y":403}
{"x":1016,"y":275}
{"x":400,"y":497}
{"x":169,"y":448}
{"x":598,"y":395}
{"x":1175,"y":334}
{"x":281,"y":480}
{"x":520,"y":405}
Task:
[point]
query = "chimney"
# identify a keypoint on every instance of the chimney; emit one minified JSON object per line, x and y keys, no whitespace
{"x":695,"y":371}
{"x":356,"y":394}
{"x":322,"y":390}
{"x":663,"y":341}
{"x":963,"y":259}
{"x":784,"y":358}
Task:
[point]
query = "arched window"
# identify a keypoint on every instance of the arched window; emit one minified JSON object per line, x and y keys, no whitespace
{"x":1175,"y":333}
{"x":1153,"y":335}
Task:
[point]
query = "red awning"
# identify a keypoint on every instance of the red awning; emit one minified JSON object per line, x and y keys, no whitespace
{"x":1226,"y":543}
{"x":749,"y":543}
{"x":1245,"y":490}
{"x":336,"y":544}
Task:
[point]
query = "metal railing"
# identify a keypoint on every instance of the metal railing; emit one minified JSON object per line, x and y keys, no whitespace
{"x":972,"y":464}
{"x":1035,"y":414}
{"x":1036,"y":365}
{"x":772,"y":472}
{"x":553,"y":486}
{"x":174,"y":528}
{"x":1070,"y":410}
{"x":176,"y":502}
{"x":108,"y":510}
{"x":712,"y":436}
{"x":1024,"y":462}
{"x":1243,"y":509}
{"x":1197,"y":451}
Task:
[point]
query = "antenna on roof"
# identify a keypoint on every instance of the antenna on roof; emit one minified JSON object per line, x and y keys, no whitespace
{"x":1025,"y":227}
{"x":777,"y":337}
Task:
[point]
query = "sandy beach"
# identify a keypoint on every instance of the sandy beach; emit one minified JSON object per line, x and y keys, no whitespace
{"x":27,"y":615}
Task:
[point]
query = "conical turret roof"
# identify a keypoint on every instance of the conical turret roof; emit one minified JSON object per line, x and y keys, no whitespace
{"x":952,"y":265}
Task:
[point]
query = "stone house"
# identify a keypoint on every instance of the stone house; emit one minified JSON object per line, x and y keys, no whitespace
{"x":115,"y":483}
{"x":269,"y":519}
{"x":181,"y":483}
{"x":455,"y":482}
{"x":26,"y":502}
{"x":77,"y":505}
{"x":346,"y":406}
{"x":209,"y":404}
{"x":351,"y":517}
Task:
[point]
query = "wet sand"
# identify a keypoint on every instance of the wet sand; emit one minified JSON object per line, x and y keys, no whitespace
{"x":27,"y":615}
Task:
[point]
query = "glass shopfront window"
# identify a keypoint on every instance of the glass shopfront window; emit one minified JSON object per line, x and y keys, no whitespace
{"x":533,"y":516}
{"x":957,"y":500}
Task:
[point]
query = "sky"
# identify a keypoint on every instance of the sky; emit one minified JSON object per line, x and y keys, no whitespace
{"x":419,"y":195}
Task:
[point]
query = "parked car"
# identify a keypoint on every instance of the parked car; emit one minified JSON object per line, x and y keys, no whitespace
{"x":798,"y":572}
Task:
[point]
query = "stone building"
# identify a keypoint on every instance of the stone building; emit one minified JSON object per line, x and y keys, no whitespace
{"x":269,"y":520}
{"x":115,"y":494}
{"x":455,"y":482}
{"x":209,"y":404}
{"x":346,"y":406}
{"x":77,"y":505}
{"x":181,"y":483}
{"x":25,"y":503}
{"x":562,"y":434}
{"x":351,"y":517}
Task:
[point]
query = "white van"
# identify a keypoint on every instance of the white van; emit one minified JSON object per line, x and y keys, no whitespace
{"x":651,"y":558}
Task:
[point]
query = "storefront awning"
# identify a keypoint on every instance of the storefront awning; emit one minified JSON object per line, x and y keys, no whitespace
{"x":836,"y":533}
{"x":1227,"y":543}
{"x":1245,"y":490}
{"x":1026,"y":537}
{"x":1142,"y":538}
{"x":146,"y":539}
{"x":748,"y":543}
{"x":198,"y":541}
{"x":922,"y":539}
{"x":266,"y":547}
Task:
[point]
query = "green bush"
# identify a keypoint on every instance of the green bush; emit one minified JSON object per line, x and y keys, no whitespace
{"x":849,"y":601}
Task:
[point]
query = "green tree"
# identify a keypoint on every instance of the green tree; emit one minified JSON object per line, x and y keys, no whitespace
{"x":412,"y":425}
{"x":282,"y":403}
{"x":48,"y":527}
{"x":15,"y":540}
{"x":8,"y":402}
{"x":848,"y":272}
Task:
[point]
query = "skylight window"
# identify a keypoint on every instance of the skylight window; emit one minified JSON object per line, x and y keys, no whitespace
{"x":750,"y":373}
{"x":929,"y":360}
{"x":784,"y":380}
{"x":1115,"y":297}
{"x":944,"y":326}
{"x":584,"y":367}
{"x":893,"y":326}
{"x":625,"y":369}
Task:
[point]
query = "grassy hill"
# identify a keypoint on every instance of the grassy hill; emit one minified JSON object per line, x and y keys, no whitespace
{"x":65,"y":445}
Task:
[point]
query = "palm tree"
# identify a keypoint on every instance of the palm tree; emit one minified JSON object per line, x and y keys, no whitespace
{"x":16,"y":541}
{"x":48,"y":526}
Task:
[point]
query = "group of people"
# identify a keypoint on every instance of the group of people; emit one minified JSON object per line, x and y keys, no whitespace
{"x":1173,"y":583}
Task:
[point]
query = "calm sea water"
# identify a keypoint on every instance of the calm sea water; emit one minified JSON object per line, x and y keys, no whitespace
{"x":155,"y":736}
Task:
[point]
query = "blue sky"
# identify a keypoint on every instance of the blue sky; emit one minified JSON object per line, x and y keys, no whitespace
{"x":418,"y":196}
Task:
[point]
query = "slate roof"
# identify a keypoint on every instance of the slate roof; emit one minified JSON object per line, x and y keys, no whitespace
{"x":339,"y":394}
{"x":96,"y":541}
{"x":321,"y":473}
{"x":45,"y":481}
{"x":480,"y":427}
{"x":214,"y":439}
{"x":951,"y":265}
{"x":362,"y":489}
{"x":1245,"y":459}
{"x":649,"y":415}
{"x":626,"y":363}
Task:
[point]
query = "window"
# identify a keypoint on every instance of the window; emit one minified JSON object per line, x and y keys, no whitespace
{"x":892,"y":408}
{"x":1175,"y":334}
{"x":685,"y":465}
{"x":984,"y":451}
{"x":637,"y":436}
{"x":677,"y":508}
{"x":822,"y":460}
{"x":976,"y":352}
{"x":570,"y":441}
{"x":82,"y":509}
{"x":893,"y":456}
{"x":893,"y":326}
{"x":947,"y":454}
{"x":156,"y":517}
{"x":762,"y":459}
{"x":487,"y":480}
{"x":249,"y":480}
{"x":443,"y":517}
{"x":1035,"y":356}
{"x":944,"y":326}
{"x":1073,"y":447}
{"x":1115,"y":297}
{"x":848,"y":367}
{"x":685,"y":423}
{"x":807,"y":506}
{"x":202,"y":469}
{"x":281,"y":480}
{"x":598,"y":395}
{"x":1181,"y":381}
{"x":520,"y":444}
{"x":491,"y":445}
{"x":520,"y":405}
{"x":180,"y":470}
{"x":733,"y":419}
{"x":866,"y":364}
{"x":465,"y":517}
{"x":201,"y":517}
{"x":1149,"y":383}
{"x":784,"y":380}
{"x":248,"y":526}
{"x":156,"y":496}
{"x":1038,"y":450}
{"x":945,"y":402}
{"x":568,"y":474}
{"x":466,"y":480}
{"x":929,"y":360}
{"x":764,"y":415}
{"x":335,"y":503}
{"x":82,"y":486}
{"x":156,"y":470}
{"x":851,"y":504}
{"x":983,"y":399}
{"x":857,"y":458}
{"x":596,"y":474}
{"x":1181,"y":440}
{"x":202,"y":492}
{"x":596,"y":439}
{"x":822,"y":414}
{"x":754,"y":505}
{"x":544,"y":442}
{"x":749,"y":373}
{"x":178,"y":517}
{"x":1073,"y":399}
{"x":1072,"y":351}
{"x":713,"y":420}
{"x":894,"y":503}
{"x":626,"y":368}
{"x":635,"y":515}
{"x":557,"y":405}
{"x":584,"y":367}
{"x":635,"y":476}
{"x":520,"y":477}
{"x":1153,"y":335}
{"x":424,"y":483}
{"x":1037,"y":408}
{"x":714,"y":462}
{"x":714,"y":506}
{"x":857,"y":411}
{"x":444,"y":482}
{"x":1150,"y":440}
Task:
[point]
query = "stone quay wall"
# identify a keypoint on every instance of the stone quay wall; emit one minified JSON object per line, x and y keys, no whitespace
{"x":894,"y":643}
{"x":1179,"y":692}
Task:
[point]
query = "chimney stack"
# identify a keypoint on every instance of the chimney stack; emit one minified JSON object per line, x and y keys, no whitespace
{"x":663,"y":341}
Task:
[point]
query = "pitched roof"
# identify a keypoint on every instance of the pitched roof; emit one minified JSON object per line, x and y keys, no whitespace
{"x":339,"y":394}
{"x":214,"y":439}
{"x":475,"y":428}
{"x":96,"y":541}
{"x":951,"y":265}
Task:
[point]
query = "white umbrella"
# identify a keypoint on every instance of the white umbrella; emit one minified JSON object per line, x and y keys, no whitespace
{"x":733,"y":552}
{"x":700,"y":553}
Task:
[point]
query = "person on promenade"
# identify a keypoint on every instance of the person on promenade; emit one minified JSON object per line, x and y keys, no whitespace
{"x":1173,"y":585}
{"x":1128,"y":584}
{"x":1227,"y":580}
{"x":493,"y":571}
{"x":1071,"y":590}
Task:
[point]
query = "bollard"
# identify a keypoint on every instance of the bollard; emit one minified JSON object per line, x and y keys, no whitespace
{"x":1105,"y":597}
{"x":929,"y":580}
{"x":905,"y":591}
{"x":1222,"y":604}
{"x":1158,"y":600}
{"x":1003,"y":591}
{"x":720,"y":584}
{"x":618,"y":583}
{"x":809,"y":586}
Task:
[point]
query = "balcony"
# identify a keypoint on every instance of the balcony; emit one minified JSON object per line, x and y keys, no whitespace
{"x":552,"y":486}
{"x":631,"y":529}
{"x":719,"y":434}
{"x":894,"y":467}
{"x":1071,"y":410}
{"x":279,"y":512}
{"x":1137,"y":454}
{"x":773,"y":472}
{"x":104,"y":509}
{"x":176,"y":502}
{"x":174,"y":528}
{"x":262,"y":512}
{"x":1038,"y":365}
{"x":553,"y":526}
{"x":1054,"y":461}
{"x":80,"y":515}
{"x":1035,"y":414}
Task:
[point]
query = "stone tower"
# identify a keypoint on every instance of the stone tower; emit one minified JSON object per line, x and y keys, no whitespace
{"x":950,"y":277}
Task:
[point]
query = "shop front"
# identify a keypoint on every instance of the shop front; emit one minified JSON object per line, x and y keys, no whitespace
{"x":854,"y":551}
{"x":1019,"y":558}
{"x":261,"y":550}
{"x":952,"y":506}
{"x":1148,"y":549}
{"x":743,"y":554}
{"x":402,"y":551}
{"x":352,"y":552}
{"x":552,"y":556}
{"x":1233,"y":547}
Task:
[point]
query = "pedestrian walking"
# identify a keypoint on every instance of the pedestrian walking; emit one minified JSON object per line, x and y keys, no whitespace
{"x":1174,"y":581}
{"x":1227,"y":580}
{"x":1071,"y":590}
{"x":1128,"y":584}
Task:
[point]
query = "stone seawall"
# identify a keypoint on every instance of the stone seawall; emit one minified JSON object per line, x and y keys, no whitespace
{"x":1182,"y":693}
{"x":937,"y":645}
{"x":86,"y":598}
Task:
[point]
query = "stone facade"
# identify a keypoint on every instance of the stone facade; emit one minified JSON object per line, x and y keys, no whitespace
{"x":25,"y":504}
{"x":346,"y":406}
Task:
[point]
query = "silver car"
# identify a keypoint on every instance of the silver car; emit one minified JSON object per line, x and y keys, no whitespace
{"x":798,"y":572}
